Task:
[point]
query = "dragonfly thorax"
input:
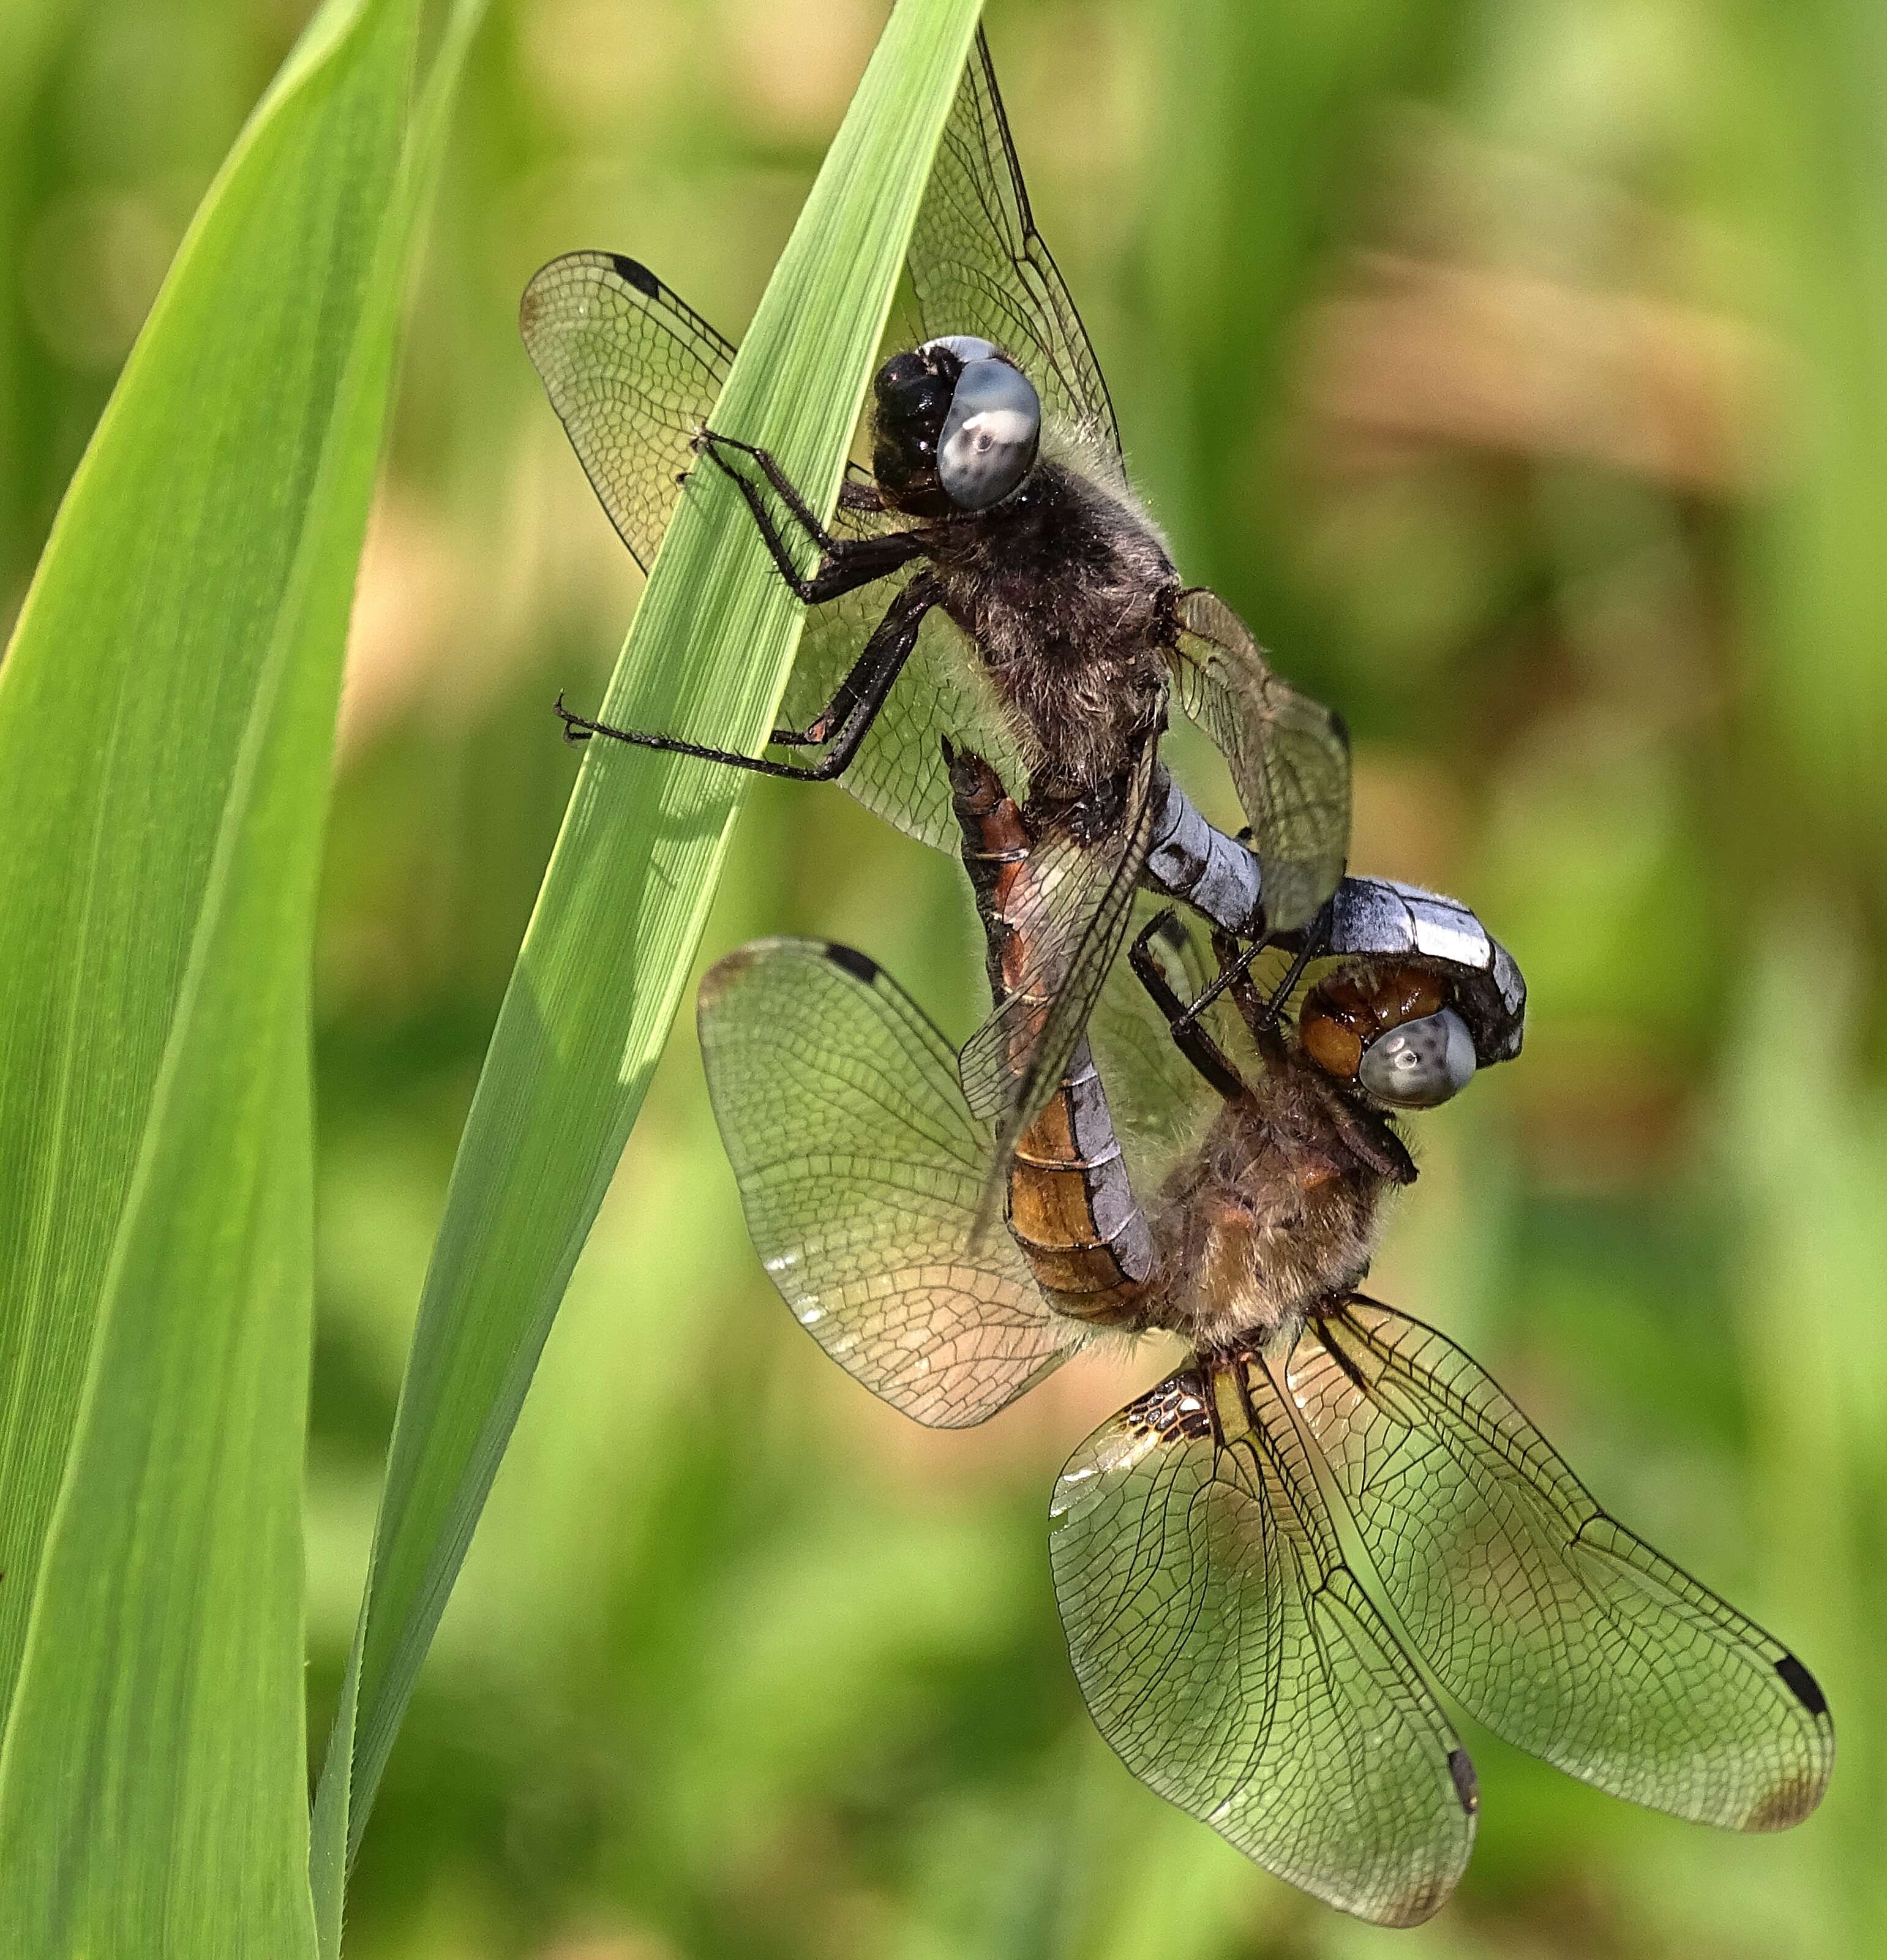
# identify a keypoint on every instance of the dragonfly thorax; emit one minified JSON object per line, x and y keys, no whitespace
{"x":1277,"y":1212}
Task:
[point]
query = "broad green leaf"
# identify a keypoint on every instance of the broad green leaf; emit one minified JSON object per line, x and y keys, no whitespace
{"x":166,"y":717}
{"x":608,"y":950}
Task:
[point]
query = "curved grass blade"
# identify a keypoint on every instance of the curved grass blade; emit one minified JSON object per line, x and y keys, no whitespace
{"x":608,"y":950}
{"x":166,"y":718}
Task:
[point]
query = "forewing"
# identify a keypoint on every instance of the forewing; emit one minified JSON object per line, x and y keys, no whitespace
{"x":1070,"y":921}
{"x":860,"y":1169}
{"x":1227,"y":1654}
{"x":978,"y":265}
{"x":633,"y":372}
{"x":1544,"y":1617}
{"x":1289,"y":756}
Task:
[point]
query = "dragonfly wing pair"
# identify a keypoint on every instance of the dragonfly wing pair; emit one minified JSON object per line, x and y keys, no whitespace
{"x":1233,"y":1660}
{"x":1228,"y":1653}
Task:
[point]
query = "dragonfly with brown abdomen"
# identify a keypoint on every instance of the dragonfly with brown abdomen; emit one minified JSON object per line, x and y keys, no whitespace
{"x":1225,"y":1644}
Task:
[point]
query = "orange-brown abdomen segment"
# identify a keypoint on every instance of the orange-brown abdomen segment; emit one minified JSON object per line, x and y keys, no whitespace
{"x":1071,"y":1208}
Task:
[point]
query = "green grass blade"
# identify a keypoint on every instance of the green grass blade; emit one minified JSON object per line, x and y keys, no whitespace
{"x":608,"y":950}
{"x":166,"y":717}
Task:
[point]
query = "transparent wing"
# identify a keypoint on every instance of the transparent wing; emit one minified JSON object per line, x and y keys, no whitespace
{"x":1070,"y":921}
{"x":860,"y":1169}
{"x":1289,"y":756}
{"x":1545,"y":1618}
{"x":1226,"y":1652}
{"x":898,"y":773}
{"x":633,"y":372}
{"x":1158,"y":1098}
{"x":978,"y":265}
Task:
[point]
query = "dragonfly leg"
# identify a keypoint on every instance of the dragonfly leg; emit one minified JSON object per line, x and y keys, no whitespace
{"x":1233,"y":973}
{"x":713,"y":442}
{"x":844,"y":565}
{"x":1235,"y":961}
{"x":1264,"y":1015}
{"x":578,"y":728}
{"x":847,"y":717}
{"x":1192,"y":1041}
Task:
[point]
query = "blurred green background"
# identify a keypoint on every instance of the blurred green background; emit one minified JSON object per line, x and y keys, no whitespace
{"x":1519,"y":370}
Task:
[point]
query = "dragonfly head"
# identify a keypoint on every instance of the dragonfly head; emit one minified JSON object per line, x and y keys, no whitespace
{"x":1389,"y":1028}
{"x":956,"y":426}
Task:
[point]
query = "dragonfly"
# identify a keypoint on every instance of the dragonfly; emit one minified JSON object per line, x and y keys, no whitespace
{"x":992,"y":579}
{"x":1226,"y":1646}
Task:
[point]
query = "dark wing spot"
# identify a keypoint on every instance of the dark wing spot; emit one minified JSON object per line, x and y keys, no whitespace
{"x":1802,"y":1685}
{"x":1341,"y":729}
{"x":855,"y":963}
{"x":1787,"y":1804}
{"x":1424,"y":1902}
{"x":1467,"y":1786}
{"x":636,"y":274}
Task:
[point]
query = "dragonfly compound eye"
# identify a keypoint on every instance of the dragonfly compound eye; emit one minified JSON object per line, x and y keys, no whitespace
{"x":989,"y":438}
{"x":1386,"y":1026}
{"x":1420,"y":1063}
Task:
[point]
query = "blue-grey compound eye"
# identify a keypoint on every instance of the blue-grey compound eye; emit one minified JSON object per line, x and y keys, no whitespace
{"x":1421,"y":1063}
{"x":988,"y":442}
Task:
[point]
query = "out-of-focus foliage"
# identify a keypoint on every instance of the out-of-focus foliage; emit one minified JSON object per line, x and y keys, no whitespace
{"x":1519,"y":370}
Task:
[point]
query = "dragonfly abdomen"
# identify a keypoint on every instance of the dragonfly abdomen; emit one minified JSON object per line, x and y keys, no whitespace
{"x":1191,"y":860}
{"x":1071,"y":1205}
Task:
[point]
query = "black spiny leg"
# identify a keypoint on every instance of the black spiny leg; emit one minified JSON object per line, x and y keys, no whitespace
{"x":1316,"y":937}
{"x":1235,"y":962}
{"x":847,"y":717}
{"x":713,"y":443}
{"x":1192,"y":1041}
{"x":845,"y":564}
{"x":1235,"y":973}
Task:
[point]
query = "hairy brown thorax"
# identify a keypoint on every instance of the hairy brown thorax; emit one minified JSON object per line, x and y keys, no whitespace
{"x":1069,"y":595}
{"x":1276,"y":1211}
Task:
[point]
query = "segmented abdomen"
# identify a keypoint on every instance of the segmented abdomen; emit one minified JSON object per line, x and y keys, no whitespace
{"x":1071,"y":1208}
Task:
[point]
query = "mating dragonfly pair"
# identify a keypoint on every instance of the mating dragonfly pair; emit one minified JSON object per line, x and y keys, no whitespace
{"x":992,"y":613}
